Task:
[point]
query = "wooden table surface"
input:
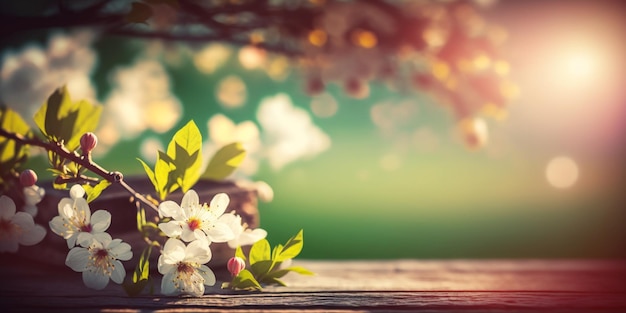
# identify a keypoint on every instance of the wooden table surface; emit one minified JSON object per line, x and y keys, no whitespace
{"x":350,"y":286}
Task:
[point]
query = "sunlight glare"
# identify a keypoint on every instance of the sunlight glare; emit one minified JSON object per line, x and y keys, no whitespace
{"x":562,"y":172}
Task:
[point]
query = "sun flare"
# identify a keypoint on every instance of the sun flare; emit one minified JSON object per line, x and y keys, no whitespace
{"x":562,"y":172}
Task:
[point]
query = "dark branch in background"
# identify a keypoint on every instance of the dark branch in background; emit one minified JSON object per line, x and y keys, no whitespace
{"x":112,"y":177}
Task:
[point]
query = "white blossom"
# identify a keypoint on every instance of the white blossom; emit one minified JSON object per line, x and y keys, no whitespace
{"x":183,"y":267}
{"x":75,"y":223}
{"x":192,"y":220}
{"x":32,"y":196}
{"x":244,"y":236}
{"x":99,"y":260}
{"x":17,"y":228}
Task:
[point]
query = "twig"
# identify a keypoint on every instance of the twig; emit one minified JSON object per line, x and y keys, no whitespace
{"x":59,"y":148}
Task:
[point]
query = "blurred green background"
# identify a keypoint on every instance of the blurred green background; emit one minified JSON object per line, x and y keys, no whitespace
{"x":418,"y":192}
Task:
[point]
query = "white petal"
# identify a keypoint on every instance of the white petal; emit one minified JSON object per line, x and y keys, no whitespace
{"x":167,"y":283}
{"x":118,"y":273}
{"x":82,"y":209}
{"x":100,"y":221}
{"x":77,"y":259}
{"x":7,"y":207}
{"x":23,"y":220}
{"x":200,"y":235}
{"x":30,"y":209}
{"x":171,"y":209}
{"x":220,"y":233}
{"x":95,"y":279}
{"x":219,"y":203}
{"x":122,"y":252}
{"x":198,"y":251}
{"x":102,"y":238}
{"x":65,"y":207}
{"x":71,"y":240}
{"x":190,"y":199}
{"x":33,"y":194}
{"x":249,"y":237}
{"x":196,"y":286}
{"x":171,"y":228}
{"x":57,"y":226}
{"x":164,"y":267}
{"x":207,"y":274}
{"x":233,"y":221}
{"x":33,"y":236}
{"x":174,"y":250}
{"x":77,"y":191}
{"x":187,"y":234}
{"x":84,"y":239}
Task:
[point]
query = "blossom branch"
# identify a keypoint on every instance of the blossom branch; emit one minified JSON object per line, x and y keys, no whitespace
{"x":86,"y":162}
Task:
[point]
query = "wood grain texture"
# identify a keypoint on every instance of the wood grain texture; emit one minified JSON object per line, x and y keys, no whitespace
{"x":350,"y":286}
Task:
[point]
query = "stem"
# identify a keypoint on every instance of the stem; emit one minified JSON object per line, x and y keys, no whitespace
{"x":86,"y":162}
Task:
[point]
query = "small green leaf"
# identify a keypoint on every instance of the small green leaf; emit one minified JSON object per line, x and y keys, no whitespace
{"x":12,"y":153}
{"x":150,"y":173}
{"x":185,"y":149}
{"x":95,"y":191}
{"x":225,"y":161}
{"x":300,"y":270}
{"x":260,"y":251}
{"x":142,"y":271}
{"x":292,"y":248}
{"x":245,"y":280}
{"x":139,"y":13}
{"x":261,"y":268}
{"x":276,"y":252}
{"x":239,"y":253}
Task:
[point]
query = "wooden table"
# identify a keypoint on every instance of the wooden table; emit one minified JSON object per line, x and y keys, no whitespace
{"x":351,"y":286}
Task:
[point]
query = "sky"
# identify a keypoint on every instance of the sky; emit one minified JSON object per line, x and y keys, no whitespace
{"x":387,"y":175}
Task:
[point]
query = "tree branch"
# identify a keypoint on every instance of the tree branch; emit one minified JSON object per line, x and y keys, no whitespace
{"x":112,"y":177}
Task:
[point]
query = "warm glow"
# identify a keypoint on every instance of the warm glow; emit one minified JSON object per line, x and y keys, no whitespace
{"x":364,"y":38}
{"x":580,"y":64}
{"x":440,"y":70}
{"x":317,"y":37}
{"x":562,"y":172}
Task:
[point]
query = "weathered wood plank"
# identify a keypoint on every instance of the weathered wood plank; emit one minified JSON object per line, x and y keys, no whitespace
{"x":399,"y":285}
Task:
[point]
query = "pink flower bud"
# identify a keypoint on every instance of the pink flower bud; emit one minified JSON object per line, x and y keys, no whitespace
{"x":87,"y":142}
{"x":236,"y":265}
{"x":28,"y":178}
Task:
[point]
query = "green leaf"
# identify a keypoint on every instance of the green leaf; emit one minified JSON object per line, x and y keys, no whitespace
{"x":87,"y":119}
{"x":150,"y":174}
{"x":239,"y":253}
{"x":95,"y":191}
{"x":292,"y":248}
{"x":142,"y":271}
{"x":276,"y":252}
{"x":245,"y":280}
{"x":185,"y":149}
{"x":12,"y":153}
{"x":139,"y":13}
{"x":300,"y":270}
{"x":260,"y":251}
{"x":225,"y":161}
{"x":261,"y":268}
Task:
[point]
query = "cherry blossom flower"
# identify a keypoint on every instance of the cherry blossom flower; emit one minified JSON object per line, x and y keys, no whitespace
{"x":32,"y":196}
{"x":75,"y":223}
{"x":99,"y":260}
{"x":183,"y":267}
{"x":17,"y":228}
{"x":192,"y":221}
{"x":243,"y":235}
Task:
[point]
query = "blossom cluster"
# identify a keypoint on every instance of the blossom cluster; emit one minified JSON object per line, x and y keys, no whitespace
{"x":19,"y":228}
{"x":93,"y":252}
{"x":183,"y":265}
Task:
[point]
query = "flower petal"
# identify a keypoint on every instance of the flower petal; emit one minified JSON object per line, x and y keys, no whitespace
{"x":118,"y":273}
{"x":187,"y":234}
{"x":57,"y":225}
{"x":65,"y":208}
{"x":249,"y":237}
{"x":95,"y":279}
{"x":190,"y":199}
{"x":33,"y":236}
{"x":23,"y":220}
{"x":198,"y":251}
{"x":219,"y":203}
{"x":100,"y":221}
{"x":7,"y":207}
{"x":84,"y":239}
{"x":82,"y":209}
{"x":171,"y":228}
{"x":207,"y":274}
{"x":77,"y":191}
{"x":220,"y":233}
{"x":77,"y":259}
{"x":164,"y":267}
{"x":122,"y":252}
{"x":167,"y":283}
{"x":33,"y":194}
{"x":174,"y":250}
{"x":171,"y":209}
